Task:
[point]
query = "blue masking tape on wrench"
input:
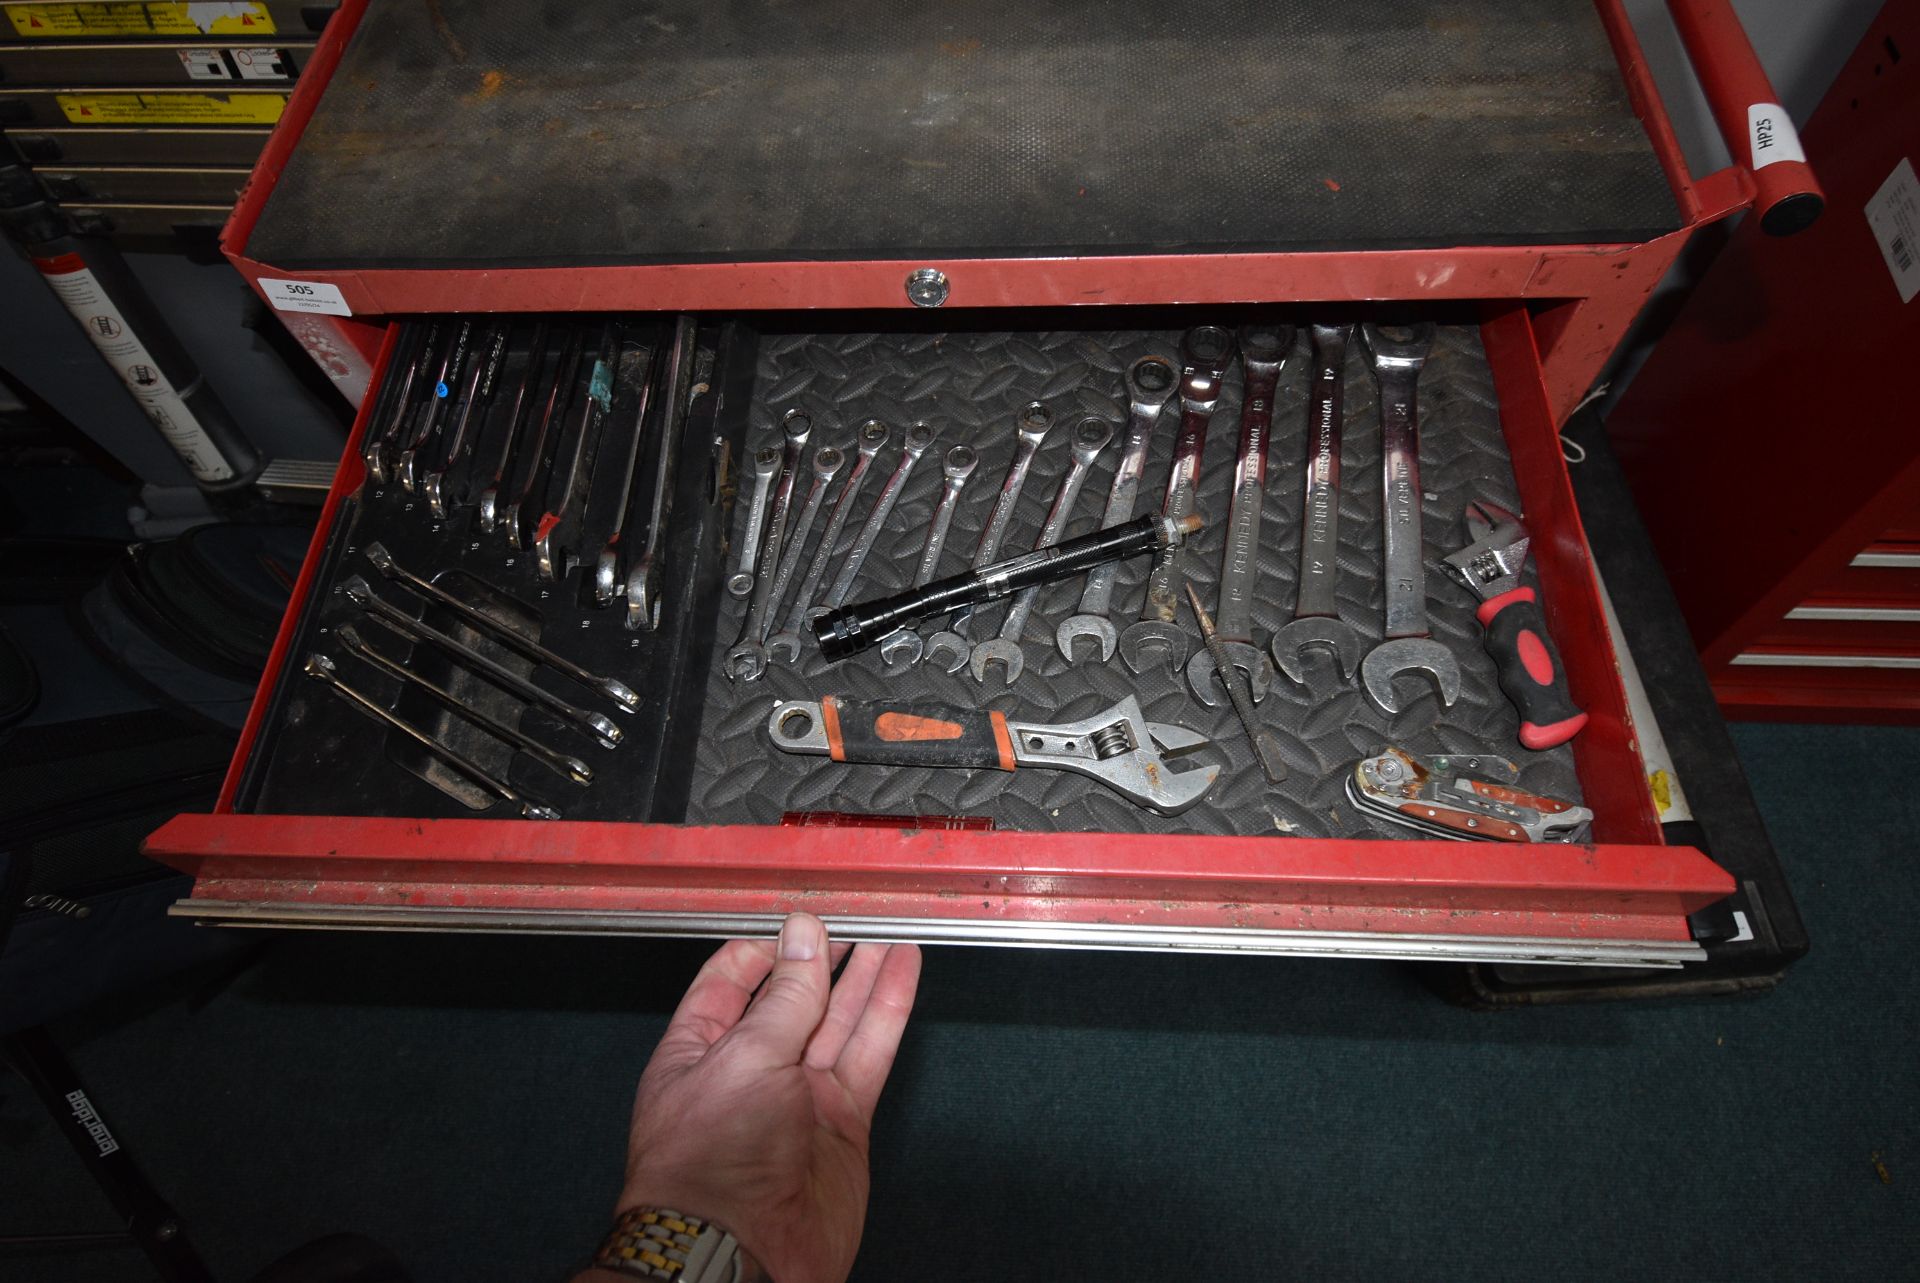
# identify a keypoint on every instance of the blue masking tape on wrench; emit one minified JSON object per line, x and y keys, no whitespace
{"x":600,"y":387}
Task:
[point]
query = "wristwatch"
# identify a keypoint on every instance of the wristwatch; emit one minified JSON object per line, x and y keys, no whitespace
{"x":660,"y":1243}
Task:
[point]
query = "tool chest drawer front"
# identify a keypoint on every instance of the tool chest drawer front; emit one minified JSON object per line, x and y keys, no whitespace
{"x":1162,"y":829}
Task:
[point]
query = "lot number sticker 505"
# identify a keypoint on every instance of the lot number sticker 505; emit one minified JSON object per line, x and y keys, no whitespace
{"x":305,"y":296}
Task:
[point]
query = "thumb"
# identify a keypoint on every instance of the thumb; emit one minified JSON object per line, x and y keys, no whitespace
{"x":789,"y":1007}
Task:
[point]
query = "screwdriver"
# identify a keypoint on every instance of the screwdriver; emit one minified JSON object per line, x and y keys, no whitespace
{"x":1265,"y":747}
{"x":851,"y":629}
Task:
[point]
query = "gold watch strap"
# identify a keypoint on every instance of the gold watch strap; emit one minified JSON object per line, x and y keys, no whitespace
{"x":660,"y":1243}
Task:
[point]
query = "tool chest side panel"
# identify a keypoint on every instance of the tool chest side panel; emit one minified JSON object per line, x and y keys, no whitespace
{"x":756,"y":133}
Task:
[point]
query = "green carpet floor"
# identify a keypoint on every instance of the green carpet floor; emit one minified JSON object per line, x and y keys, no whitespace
{"x":1065,"y":1116}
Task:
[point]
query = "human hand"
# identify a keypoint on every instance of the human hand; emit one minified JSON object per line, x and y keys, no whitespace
{"x":754,"y":1111}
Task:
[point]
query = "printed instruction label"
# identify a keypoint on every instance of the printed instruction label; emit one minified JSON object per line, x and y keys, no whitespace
{"x":70,"y":21}
{"x":80,"y":290}
{"x":260,"y":64}
{"x":1771,"y":135}
{"x":1894,"y":214}
{"x":305,"y":296}
{"x":171,"y":109}
{"x":204,"y":64}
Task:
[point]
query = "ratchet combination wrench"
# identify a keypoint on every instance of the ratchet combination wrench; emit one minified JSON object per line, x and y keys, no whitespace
{"x":1150,"y":382}
{"x":1206,"y":351}
{"x":1408,"y":646}
{"x":1263,"y":355}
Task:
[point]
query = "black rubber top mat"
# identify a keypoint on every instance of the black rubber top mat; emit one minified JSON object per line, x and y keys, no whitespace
{"x":969,"y":387}
{"x":496,"y":132}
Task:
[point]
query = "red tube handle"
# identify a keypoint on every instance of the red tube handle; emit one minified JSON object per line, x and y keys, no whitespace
{"x":1747,"y":109}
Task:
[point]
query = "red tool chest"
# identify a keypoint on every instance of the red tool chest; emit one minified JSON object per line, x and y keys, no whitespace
{"x":1542,"y":315}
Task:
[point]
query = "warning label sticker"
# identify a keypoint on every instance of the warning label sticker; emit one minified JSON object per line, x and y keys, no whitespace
{"x":152,"y":18}
{"x":1894,"y":214}
{"x":172,"y":109}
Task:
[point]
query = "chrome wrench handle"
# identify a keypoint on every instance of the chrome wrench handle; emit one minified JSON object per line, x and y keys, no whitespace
{"x":321,"y":669}
{"x":1150,"y":384}
{"x":826,"y":466}
{"x":1404,"y":557}
{"x":902,"y":648}
{"x":1207,"y":351}
{"x":918,"y":438}
{"x":766,"y":465}
{"x":748,"y":658}
{"x":1090,"y":437}
{"x":1263,"y":354}
{"x":643,"y":589}
{"x":785,"y":644}
{"x":1320,"y":522}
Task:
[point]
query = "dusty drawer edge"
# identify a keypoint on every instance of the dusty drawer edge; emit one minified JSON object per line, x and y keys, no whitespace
{"x":1041,"y":935}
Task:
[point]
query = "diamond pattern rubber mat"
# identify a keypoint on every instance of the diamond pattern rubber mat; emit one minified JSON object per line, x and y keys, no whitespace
{"x":492,"y":133}
{"x":969,"y":387}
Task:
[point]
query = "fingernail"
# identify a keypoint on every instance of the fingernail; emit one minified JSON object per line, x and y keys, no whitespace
{"x":800,"y":938}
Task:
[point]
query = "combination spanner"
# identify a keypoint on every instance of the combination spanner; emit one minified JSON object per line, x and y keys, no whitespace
{"x":571,"y":767}
{"x":607,"y":578}
{"x":955,"y":639}
{"x":516,"y":520}
{"x":413,"y":354}
{"x":1206,"y":351}
{"x":322,"y":670}
{"x":1316,"y":624}
{"x":599,"y":725}
{"x":766,"y":465}
{"x":785,"y":644}
{"x":644,"y":593}
{"x":901,"y":649}
{"x":478,"y":620}
{"x":476,"y":396}
{"x":1263,"y":355}
{"x":747,"y":659}
{"x":1090,"y":437}
{"x":567,"y":490}
{"x":439,"y":398}
{"x":1407,"y":646}
{"x":919,"y":437}
{"x":525,"y":394}
{"x":1150,"y":383}
{"x":826,"y":466}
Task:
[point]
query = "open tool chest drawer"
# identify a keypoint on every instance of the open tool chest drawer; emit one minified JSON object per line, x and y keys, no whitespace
{"x":331,"y":816}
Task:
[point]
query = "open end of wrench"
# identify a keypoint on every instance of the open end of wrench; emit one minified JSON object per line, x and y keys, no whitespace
{"x":945,"y":643}
{"x":1150,"y":642}
{"x":1077,"y":628}
{"x":784,"y":647}
{"x":1404,"y":656}
{"x":1246,"y":658}
{"x":643,"y":596}
{"x":997,"y":650}
{"x":900,"y":650}
{"x":606,"y":575}
{"x":434,"y":486}
{"x":1317,"y":634}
